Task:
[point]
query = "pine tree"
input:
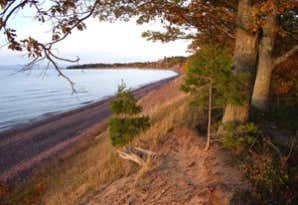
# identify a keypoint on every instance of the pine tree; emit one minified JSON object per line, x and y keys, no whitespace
{"x":127,"y":121}
{"x":211,"y":82}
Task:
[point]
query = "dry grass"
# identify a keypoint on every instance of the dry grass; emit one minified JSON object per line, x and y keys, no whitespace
{"x":144,"y":169}
{"x":163,"y":120}
{"x":96,"y":164}
{"x":84,"y":172}
{"x":99,"y":164}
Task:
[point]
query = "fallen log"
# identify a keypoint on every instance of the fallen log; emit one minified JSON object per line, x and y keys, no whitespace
{"x":136,"y":154}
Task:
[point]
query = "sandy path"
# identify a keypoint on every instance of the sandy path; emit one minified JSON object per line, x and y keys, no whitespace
{"x":25,"y":147}
{"x":182,"y":173}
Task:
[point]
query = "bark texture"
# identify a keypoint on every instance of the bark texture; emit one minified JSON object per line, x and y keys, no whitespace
{"x":265,"y":65}
{"x":209,"y":118}
{"x":245,"y":57}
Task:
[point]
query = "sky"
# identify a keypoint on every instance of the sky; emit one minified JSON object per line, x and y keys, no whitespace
{"x":102,"y":42}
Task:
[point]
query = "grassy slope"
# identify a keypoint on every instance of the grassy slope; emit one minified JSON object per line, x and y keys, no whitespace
{"x":93,"y":167}
{"x":89,"y":169}
{"x":182,"y":173}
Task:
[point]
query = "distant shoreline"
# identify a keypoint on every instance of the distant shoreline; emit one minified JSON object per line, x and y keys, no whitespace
{"x":171,"y":63}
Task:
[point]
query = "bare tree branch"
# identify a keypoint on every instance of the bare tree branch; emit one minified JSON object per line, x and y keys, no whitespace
{"x":285,"y":56}
{"x":43,"y":51}
{"x":60,"y":73}
{"x":12,"y":11}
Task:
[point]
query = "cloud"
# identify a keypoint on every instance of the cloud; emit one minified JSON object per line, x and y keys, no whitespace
{"x":101,"y":42}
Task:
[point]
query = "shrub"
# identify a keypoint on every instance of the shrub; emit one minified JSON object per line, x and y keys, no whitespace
{"x":211,"y":82}
{"x":123,"y":130}
{"x":126,"y":124}
{"x":125,"y":103}
{"x":239,"y":138}
{"x":213,"y":65}
{"x":266,"y":166}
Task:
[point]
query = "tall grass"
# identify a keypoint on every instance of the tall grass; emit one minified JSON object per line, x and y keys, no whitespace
{"x":85,"y":172}
{"x":96,"y":164}
{"x":164,"y":118}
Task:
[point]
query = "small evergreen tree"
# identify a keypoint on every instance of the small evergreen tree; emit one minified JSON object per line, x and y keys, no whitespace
{"x":126,"y":122}
{"x":210,"y":80}
{"x":125,"y":102}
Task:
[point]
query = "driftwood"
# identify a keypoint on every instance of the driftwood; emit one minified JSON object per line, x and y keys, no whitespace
{"x":136,"y":154}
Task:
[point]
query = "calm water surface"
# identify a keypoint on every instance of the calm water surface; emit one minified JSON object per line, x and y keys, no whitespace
{"x":32,"y":95}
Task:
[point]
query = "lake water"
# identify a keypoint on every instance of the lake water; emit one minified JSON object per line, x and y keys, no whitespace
{"x":27,"y":96}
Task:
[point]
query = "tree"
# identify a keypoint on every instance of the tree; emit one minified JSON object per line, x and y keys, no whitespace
{"x":234,"y":22}
{"x":265,"y":64}
{"x":247,"y":21}
{"x":244,"y":60}
{"x":274,"y":23}
{"x":179,"y":18}
{"x":126,"y":123}
{"x":252,"y":18}
{"x":285,"y":83}
{"x":211,"y":81}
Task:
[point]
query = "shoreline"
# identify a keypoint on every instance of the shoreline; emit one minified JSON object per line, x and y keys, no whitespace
{"x":25,"y":147}
{"x":168,"y":63}
{"x":57,"y":114}
{"x":174,"y":69}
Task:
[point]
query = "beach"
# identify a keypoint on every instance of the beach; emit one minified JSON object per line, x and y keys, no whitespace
{"x":25,"y":148}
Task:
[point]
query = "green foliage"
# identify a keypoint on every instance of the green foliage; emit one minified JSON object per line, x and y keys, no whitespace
{"x":239,"y":137}
{"x":273,"y":178}
{"x":125,"y":102}
{"x":123,"y":130}
{"x":125,"y":125}
{"x":212,"y":64}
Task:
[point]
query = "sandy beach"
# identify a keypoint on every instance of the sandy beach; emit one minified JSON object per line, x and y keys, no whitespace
{"x":24,"y":148}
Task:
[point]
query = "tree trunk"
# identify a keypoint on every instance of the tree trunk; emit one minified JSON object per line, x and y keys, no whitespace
{"x":244,"y":60}
{"x":265,"y":65}
{"x":209,"y":118}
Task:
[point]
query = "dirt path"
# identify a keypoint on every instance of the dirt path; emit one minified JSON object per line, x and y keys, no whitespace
{"x":23,"y":148}
{"x":181,"y":174}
